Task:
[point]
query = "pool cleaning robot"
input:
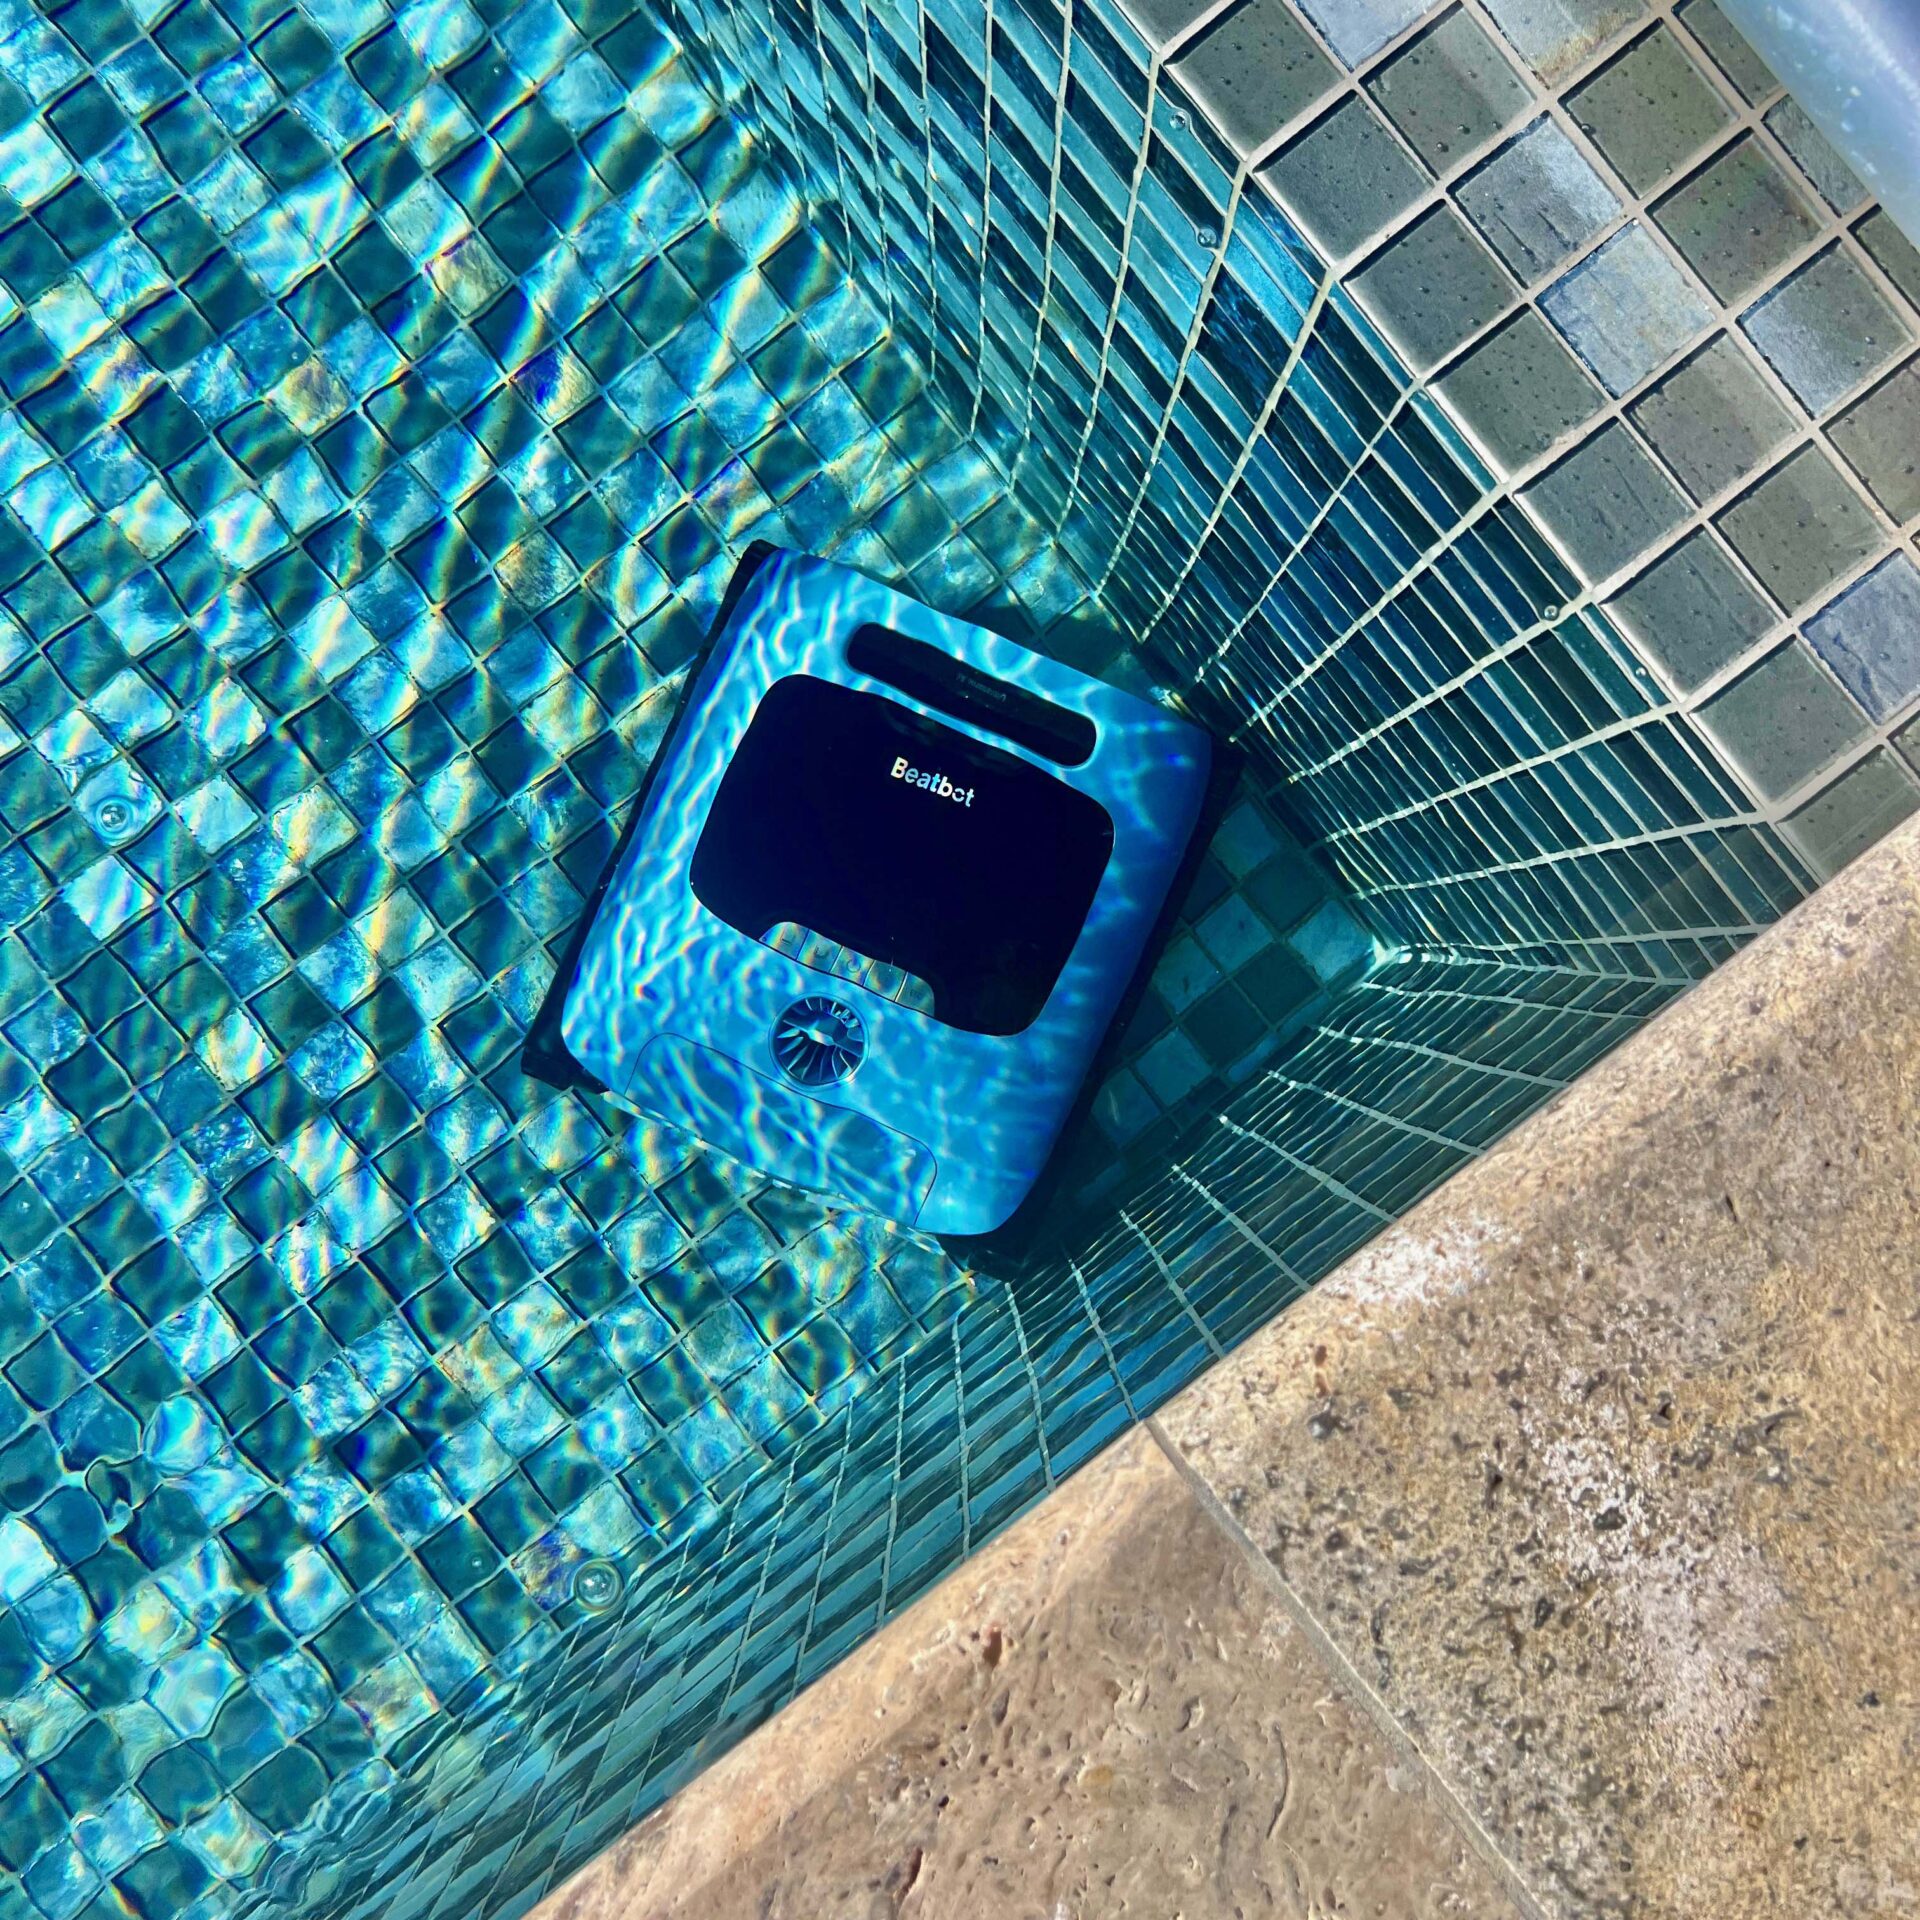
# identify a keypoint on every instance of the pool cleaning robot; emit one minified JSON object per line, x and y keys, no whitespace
{"x":878,"y":905}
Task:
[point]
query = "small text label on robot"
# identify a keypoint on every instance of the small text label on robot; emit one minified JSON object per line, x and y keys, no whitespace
{"x":936,"y":784}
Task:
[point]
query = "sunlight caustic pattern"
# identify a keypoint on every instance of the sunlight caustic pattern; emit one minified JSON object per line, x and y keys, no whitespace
{"x":408,"y":1475}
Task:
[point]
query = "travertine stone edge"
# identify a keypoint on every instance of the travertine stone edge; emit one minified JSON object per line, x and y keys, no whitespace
{"x":1598,"y":1469}
{"x":1105,"y":1713}
{"x":1352,"y":1681}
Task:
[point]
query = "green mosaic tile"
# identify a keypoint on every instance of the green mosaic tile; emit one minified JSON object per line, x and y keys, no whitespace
{"x":1693,"y":611}
{"x":1867,"y":801}
{"x":1606,"y":502}
{"x":1826,"y":329}
{"x":1556,"y":36}
{"x":1449,"y":90}
{"x":1738,"y":219}
{"x":1800,"y":528}
{"x":1434,"y":286}
{"x":1356,"y":29}
{"x":1879,"y":437}
{"x":1836,"y":182}
{"x":1520,"y":390}
{"x":1625,"y":309}
{"x":1165,"y":20}
{"x":1254,"y":71}
{"x":1537,"y":201}
{"x":1649,"y":109}
{"x":1895,"y":255}
{"x":1346,"y":179}
{"x":1784,"y":721}
{"x":1869,"y":636}
{"x":1706,"y":20}
{"x":1714,"y":419}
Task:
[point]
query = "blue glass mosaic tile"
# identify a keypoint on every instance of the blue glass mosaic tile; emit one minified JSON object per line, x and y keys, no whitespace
{"x":407,"y":1477}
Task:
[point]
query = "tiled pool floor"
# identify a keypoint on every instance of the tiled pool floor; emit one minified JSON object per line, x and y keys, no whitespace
{"x":345,"y":602}
{"x":375,"y":457}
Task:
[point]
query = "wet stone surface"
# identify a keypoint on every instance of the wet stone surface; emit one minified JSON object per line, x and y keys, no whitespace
{"x":1106,"y":1713}
{"x":1593,"y":1467}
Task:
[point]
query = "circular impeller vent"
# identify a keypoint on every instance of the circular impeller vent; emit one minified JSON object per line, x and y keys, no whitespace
{"x":818,"y":1041}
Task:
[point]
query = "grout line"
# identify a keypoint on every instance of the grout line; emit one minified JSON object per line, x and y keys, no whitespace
{"x":893,"y":1494}
{"x":1226,"y":1213}
{"x":1135,"y":183}
{"x":1352,"y":1682}
{"x":939,"y":333}
{"x":803,"y":1641}
{"x":1033,"y":1387}
{"x":1055,"y":169}
{"x":962,"y":1459}
{"x":1172,"y":1283}
{"x":1276,"y":395}
{"x":1333,"y":1182}
{"x":1202,"y":307}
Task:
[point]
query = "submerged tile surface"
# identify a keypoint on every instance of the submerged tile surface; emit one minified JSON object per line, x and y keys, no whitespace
{"x":1346,"y":178}
{"x":1737,"y":219}
{"x":1557,"y":35}
{"x":1520,"y":390}
{"x":1800,"y":528}
{"x":1693,"y":610}
{"x":1255,"y":70}
{"x":1713,"y":420}
{"x":1784,"y":720}
{"x":344,"y":603}
{"x":1607,"y":502}
{"x":386,"y":398}
{"x":1826,"y":329}
{"x":1707,"y":21}
{"x":1838,"y":184}
{"x":1449,"y":91}
{"x":1879,"y":435}
{"x":1649,"y":109}
{"x":1870,"y":636}
{"x":1843,"y":820}
{"x":1357,"y":28}
{"x":1433,"y":287}
{"x":1897,"y":257}
{"x":1625,"y":309}
{"x":1538,"y":201}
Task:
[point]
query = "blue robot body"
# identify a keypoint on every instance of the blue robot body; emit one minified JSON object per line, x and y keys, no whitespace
{"x":889,"y":882}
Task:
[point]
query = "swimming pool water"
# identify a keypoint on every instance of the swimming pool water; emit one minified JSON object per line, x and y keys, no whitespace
{"x":409,"y":1476}
{"x":352,"y":642}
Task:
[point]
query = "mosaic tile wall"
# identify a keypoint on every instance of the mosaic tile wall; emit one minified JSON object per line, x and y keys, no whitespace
{"x":1666,"y":318}
{"x":387,"y":394}
{"x":1546,"y":641}
{"x":1263,"y":944}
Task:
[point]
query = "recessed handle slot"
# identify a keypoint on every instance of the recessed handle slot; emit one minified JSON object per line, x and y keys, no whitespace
{"x":963,"y":692}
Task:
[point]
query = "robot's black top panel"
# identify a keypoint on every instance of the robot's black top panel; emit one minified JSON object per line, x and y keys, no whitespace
{"x":848,"y":814}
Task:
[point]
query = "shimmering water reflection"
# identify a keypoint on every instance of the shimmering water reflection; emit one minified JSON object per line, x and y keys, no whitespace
{"x":368,"y":496}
